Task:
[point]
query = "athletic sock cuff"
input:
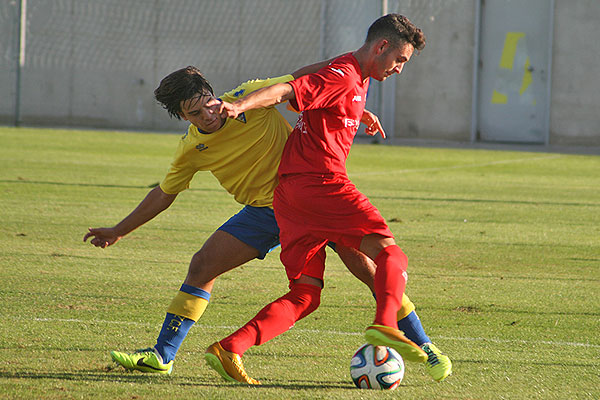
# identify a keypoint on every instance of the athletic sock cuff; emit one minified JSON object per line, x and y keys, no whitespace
{"x":407,"y":307}
{"x":188,"y":306}
{"x":195,"y":291}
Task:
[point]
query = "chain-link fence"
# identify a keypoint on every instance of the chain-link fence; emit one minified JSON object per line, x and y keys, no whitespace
{"x":95,"y":63}
{"x":91,"y":62}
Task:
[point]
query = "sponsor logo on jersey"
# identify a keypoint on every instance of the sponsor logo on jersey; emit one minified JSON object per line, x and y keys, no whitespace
{"x":357,"y":98}
{"x":350,"y":123}
{"x":241,"y":118}
{"x":202,"y":147}
{"x":300,"y":125}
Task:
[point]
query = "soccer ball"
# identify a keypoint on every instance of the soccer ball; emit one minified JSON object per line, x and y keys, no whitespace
{"x":376,"y":367}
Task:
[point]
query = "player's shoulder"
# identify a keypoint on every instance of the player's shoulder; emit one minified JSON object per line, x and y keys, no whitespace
{"x":345,"y":66}
{"x":188,"y":139}
{"x":188,"y":135}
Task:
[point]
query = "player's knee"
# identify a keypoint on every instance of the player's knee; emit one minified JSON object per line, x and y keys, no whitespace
{"x":313,"y":303}
{"x":401,"y":255}
{"x":200,"y":268}
{"x":306,"y":297}
{"x":394,"y":253}
{"x":373,"y":244}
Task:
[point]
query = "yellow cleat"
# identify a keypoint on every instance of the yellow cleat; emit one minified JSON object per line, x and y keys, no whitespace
{"x":438,"y":364}
{"x":229,"y":365}
{"x":380,"y":335}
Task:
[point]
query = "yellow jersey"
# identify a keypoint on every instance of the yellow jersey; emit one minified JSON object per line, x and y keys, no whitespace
{"x":243,"y":154}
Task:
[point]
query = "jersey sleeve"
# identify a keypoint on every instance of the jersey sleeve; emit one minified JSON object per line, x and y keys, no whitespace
{"x":321,"y":89}
{"x":180,"y":174}
{"x":253,"y":85}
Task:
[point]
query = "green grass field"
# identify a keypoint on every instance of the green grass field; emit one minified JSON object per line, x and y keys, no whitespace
{"x":504,"y":267}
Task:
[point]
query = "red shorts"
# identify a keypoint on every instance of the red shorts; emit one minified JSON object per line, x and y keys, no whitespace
{"x":312,"y":210}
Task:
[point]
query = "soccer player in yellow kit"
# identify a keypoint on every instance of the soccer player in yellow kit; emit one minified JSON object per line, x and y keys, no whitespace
{"x":243,"y":154}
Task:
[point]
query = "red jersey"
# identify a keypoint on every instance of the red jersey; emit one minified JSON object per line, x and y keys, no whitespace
{"x":331,"y":103}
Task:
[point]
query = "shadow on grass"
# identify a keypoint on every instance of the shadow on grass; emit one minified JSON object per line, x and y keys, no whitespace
{"x":98,"y":185}
{"x":93,"y":375}
{"x":406,"y":198}
{"x":109,"y":376}
{"x":95,"y":256}
{"x":506,"y":277}
{"x":493,"y":201}
{"x":526,"y":362}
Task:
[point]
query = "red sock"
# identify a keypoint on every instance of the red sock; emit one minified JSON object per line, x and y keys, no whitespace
{"x":275,"y":318}
{"x":390,"y":281}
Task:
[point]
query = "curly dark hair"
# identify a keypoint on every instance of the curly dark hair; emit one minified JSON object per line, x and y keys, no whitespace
{"x":179,"y":86}
{"x":397,"y":29}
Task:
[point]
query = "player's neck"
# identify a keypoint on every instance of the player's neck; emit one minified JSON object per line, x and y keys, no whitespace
{"x":363,"y":56}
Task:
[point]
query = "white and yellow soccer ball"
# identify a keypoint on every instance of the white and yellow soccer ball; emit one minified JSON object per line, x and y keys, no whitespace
{"x":376,"y":367}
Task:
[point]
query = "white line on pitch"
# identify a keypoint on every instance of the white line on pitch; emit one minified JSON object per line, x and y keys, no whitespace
{"x":462,"y":166}
{"x":318,"y":331}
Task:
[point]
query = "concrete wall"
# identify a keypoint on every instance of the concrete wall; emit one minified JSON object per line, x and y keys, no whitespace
{"x":433,"y":93}
{"x":575,"y":103}
{"x":96,"y":63}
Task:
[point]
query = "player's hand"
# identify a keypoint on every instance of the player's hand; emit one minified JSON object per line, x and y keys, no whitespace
{"x":102,"y":237}
{"x":224,"y":108}
{"x":372,"y":123}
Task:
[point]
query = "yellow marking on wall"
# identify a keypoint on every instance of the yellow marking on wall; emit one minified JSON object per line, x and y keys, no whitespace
{"x":507,"y":61}
{"x":510,"y":49}
{"x":499,"y":98}
{"x":527,"y":79}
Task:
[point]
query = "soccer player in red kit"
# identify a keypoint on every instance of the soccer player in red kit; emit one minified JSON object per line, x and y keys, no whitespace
{"x":315,"y":201}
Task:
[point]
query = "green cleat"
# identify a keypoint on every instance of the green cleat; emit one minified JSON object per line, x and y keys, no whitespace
{"x":380,"y":335}
{"x":146,"y":360}
{"x":438,"y":364}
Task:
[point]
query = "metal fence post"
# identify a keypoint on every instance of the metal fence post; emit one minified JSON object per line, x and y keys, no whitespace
{"x":21,"y":43}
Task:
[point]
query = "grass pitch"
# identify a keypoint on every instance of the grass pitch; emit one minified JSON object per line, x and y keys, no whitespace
{"x":504,"y":267}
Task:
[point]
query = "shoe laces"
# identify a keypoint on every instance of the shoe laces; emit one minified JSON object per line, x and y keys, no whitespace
{"x":146,"y":350}
{"x":432,"y":358}
{"x":150,"y":351}
{"x":237,"y":361}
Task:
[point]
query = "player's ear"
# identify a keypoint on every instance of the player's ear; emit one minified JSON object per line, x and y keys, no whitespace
{"x":182,"y":115}
{"x":382,"y":45}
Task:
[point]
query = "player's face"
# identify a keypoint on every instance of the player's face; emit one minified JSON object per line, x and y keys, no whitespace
{"x":391,"y":60}
{"x":206,"y":119}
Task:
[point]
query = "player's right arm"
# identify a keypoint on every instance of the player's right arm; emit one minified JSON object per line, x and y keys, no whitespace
{"x":266,"y":96}
{"x":155,"y":202}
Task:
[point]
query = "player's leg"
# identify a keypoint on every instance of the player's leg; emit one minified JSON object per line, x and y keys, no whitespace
{"x":389,"y":284}
{"x":364,"y":268}
{"x":438,"y":365}
{"x":361,"y":266}
{"x":220,"y":253}
{"x":249,"y":234}
{"x":274,"y":319}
